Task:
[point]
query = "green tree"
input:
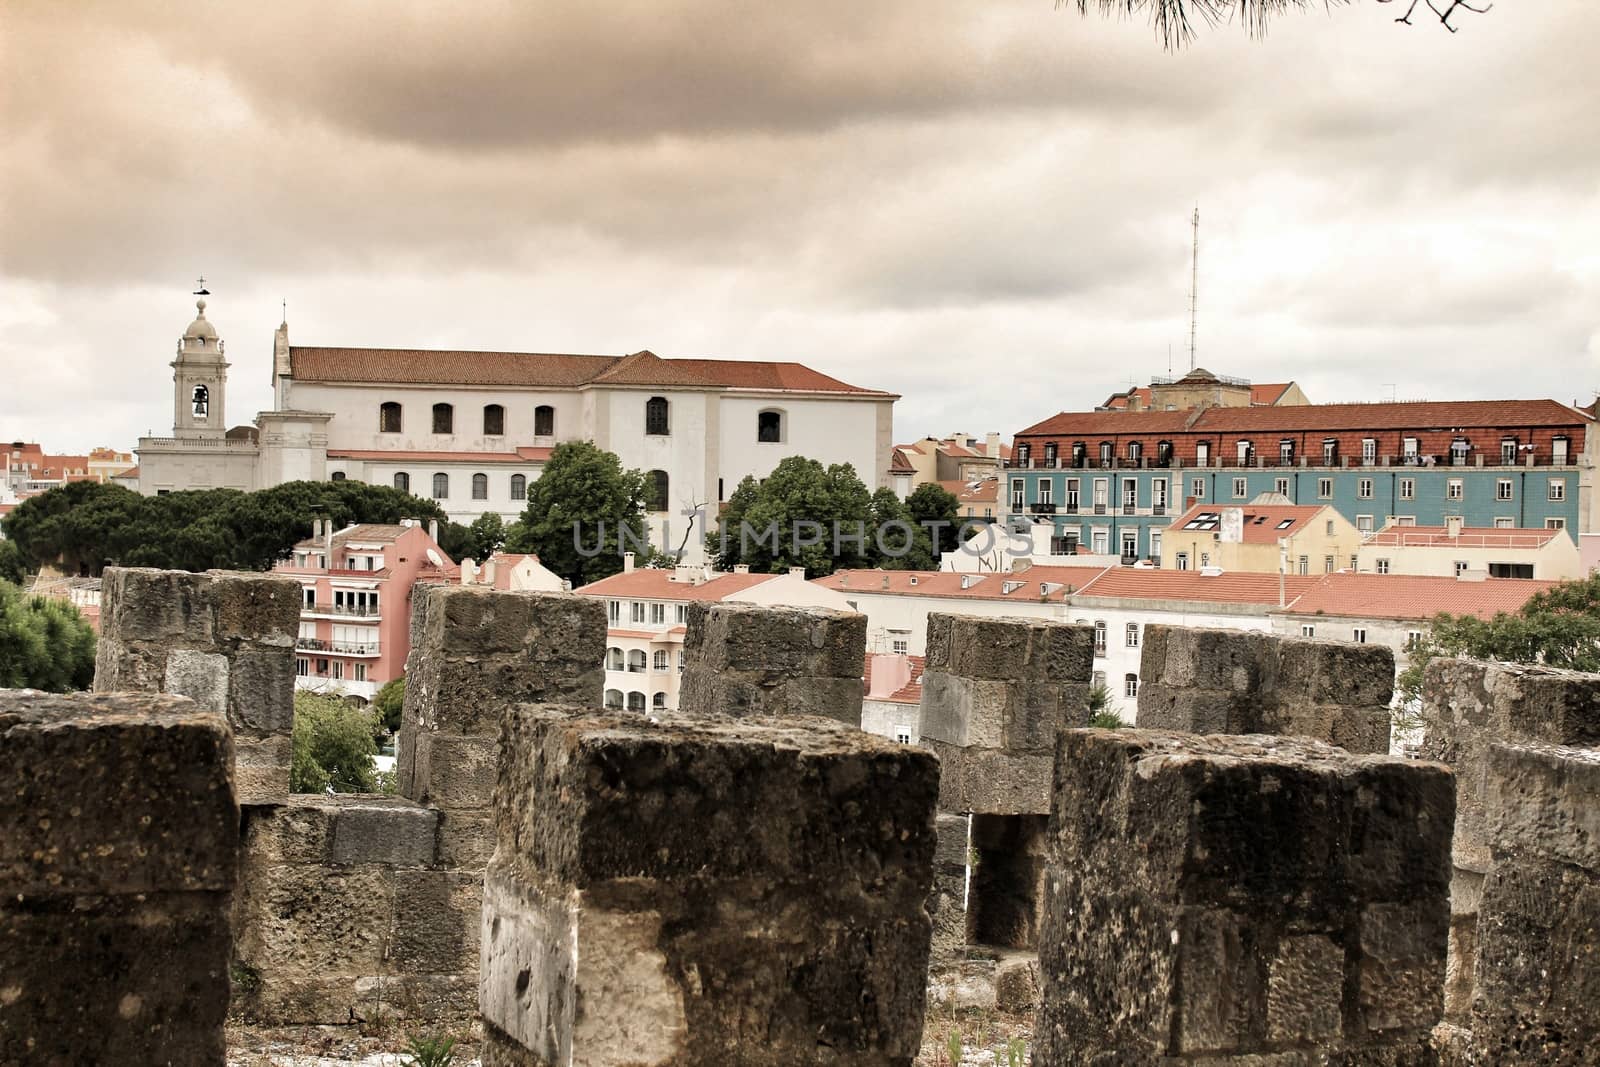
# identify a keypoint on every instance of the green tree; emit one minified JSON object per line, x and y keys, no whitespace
{"x":898,"y":542}
{"x":937,"y":508}
{"x":332,"y":745}
{"x":1103,"y":714}
{"x":387,"y":703}
{"x":583,"y":513}
{"x":11,"y":568}
{"x":789,"y":519}
{"x":484,"y":537}
{"x":44,"y":643}
{"x":1559,"y":627}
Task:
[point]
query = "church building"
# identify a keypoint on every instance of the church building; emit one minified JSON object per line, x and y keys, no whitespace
{"x":472,"y":430}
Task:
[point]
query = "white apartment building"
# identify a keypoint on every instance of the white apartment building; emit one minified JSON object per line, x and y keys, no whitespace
{"x":1453,"y":549}
{"x":647,"y":614}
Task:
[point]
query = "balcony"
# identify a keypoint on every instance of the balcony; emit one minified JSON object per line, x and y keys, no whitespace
{"x":343,"y":611}
{"x":1042,"y":507}
{"x":1130,"y":509}
{"x":337,"y":648}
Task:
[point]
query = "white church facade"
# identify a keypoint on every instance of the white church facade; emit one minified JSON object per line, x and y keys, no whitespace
{"x":472,"y":430}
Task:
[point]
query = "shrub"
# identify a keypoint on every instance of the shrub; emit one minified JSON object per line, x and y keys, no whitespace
{"x":333,"y":746}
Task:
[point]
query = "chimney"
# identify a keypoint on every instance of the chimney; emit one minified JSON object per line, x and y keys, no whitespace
{"x":433,"y":530}
{"x":991,"y":445}
{"x":797,"y":572}
{"x":327,"y":543}
{"x":627,"y":563}
{"x":487,"y":571}
{"x":467,"y":569}
{"x":741,"y":568}
{"x":1452,"y":526}
{"x":891,"y":672}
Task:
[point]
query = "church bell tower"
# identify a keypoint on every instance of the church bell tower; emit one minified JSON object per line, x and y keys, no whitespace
{"x":200,"y":381}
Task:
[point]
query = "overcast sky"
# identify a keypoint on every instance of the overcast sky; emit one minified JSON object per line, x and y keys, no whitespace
{"x":983,"y":206}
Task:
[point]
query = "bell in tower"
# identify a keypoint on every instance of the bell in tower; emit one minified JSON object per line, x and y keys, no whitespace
{"x":200,"y":378}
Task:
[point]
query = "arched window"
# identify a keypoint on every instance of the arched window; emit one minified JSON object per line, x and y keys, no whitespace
{"x":1132,"y":639}
{"x":519,"y":487}
{"x":444,"y":418}
{"x":494,"y":420}
{"x":441,"y":486}
{"x":655,"y":491}
{"x":660,"y":660}
{"x":636,"y":660}
{"x":202,"y":401}
{"x":480,"y":487}
{"x":337,"y":476}
{"x":769,"y":426}
{"x":635,"y":701}
{"x":659,"y":702}
{"x":544,"y":421}
{"x":656,"y":416}
{"x":1130,"y":685}
{"x":389,"y":417}
{"x":614,"y":662}
{"x":614,"y":699}
{"x":402,"y":482}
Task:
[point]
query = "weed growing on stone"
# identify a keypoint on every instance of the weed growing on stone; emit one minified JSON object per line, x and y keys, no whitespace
{"x":435,"y":1051}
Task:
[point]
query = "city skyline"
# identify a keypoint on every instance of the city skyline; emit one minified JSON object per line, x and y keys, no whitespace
{"x":985,"y":213}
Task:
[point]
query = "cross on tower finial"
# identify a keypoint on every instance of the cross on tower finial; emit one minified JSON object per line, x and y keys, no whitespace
{"x":200,"y":287}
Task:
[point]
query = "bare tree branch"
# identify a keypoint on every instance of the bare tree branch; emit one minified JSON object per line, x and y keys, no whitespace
{"x":1176,"y":21}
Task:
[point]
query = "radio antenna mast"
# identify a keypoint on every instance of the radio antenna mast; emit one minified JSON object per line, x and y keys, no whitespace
{"x":1194,"y":284}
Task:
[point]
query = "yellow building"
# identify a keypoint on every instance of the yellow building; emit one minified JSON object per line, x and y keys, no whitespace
{"x":1260,"y":537}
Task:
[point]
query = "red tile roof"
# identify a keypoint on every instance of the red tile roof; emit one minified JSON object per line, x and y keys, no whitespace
{"x":1263,"y":523}
{"x":522,"y":456}
{"x":656,"y":584}
{"x":981,"y":491}
{"x":1471,"y":537}
{"x":1017,"y":588}
{"x":1268,"y":392}
{"x":1408,"y":596}
{"x":555,"y":370}
{"x":899,"y":464}
{"x":1447,"y":415}
{"x":1231,"y":587}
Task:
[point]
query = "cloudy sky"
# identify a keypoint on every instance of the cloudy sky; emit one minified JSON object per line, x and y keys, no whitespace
{"x":983,"y":206}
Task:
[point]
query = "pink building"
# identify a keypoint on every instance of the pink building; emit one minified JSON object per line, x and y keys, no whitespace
{"x":355,"y":619}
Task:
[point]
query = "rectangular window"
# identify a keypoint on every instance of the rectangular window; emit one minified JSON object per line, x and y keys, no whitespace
{"x":1413,"y":639}
{"x":1202,"y":454}
{"x":1285,"y":452}
{"x":1454,"y":489}
{"x":1558,"y":451}
{"x":1130,"y":686}
{"x":1197,"y":488}
{"x":1508,"y":451}
{"x":613,"y":611}
{"x":1503,"y":522}
{"x":1502,"y":489}
{"x":680,"y":613}
{"x":310,"y":593}
{"x":1359,"y":635}
{"x":302,"y":667}
{"x":1369,"y":450}
{"x":1158,"y":495}
{"x":1555,"y":524}
{"x":1511,"y":570}
{"x":1305,"y":565}
{"x":1280,"y":486}
{"x":1130,"y":544}
{"x":1238,"y":489}
{"x":1381,"y":566}
{"x":1307,"y":630}
{"x":1205,"y":559}
{"x":361,"y":672}
{"x":658,"y":614}
{"x":1132,"y":639}
{"x":1130,"y":494}
{"x":1558,"y":489}
{"x":338,"y":669}
{"x":1364,"y":523}
{"x":1405,"y":520}
{"x":1408,"y":488}
{"x":1324,"y":488}
{"x":1016,"y":494}
{"x":900,"y":646}
{"x":1327,"y":564}
{"x":1183,"y":561}
{"x":636,"y":610}
{"x":1364,"y":488}
{"x":1155,"y":546}
{"x":1461,"y":567}
{"x":1072,"y":495}
{"x":902,"y":735}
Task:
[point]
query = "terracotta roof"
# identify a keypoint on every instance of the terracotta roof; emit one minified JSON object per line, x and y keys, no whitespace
{"x":656,"y":584}
{"x":1017,"y":588}
{"x":1471,"y":537}
{"x":521,"y":456}
{"x":555,"y":370}
{"x":131,"y":472}
{"x":981,"y":491}
{"x":1268,"y":392}
{"x":1231,"y":587}
{"x":1316,"y":418}
{"x":910,"y":693}
{"x":1408,"y":596}
{"x":899,"y":464}
{"x":1263,"y":523}
{"x":1119,"y":401}
{"x":382,"y":533}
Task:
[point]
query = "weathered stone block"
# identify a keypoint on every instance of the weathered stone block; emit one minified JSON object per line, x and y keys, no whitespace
{"x":1545,"y":800}
{"x":992,"y":780}
{"x":261,"y":691}
{"x":630,"y":908}
{"x":119,"y":837}
{"x":393,"y":832}
{"x":1234,"y":900}
{"x":439,"y":921}
{"x":261,"y":768}
{"x":475,"y":652}
{"x":306,"y":919}
{"x":947,"y":900}
{"x":455,"y":772}
{"x":114,"y":793}
{"x":1336,"y":672}
{"x":123,"y":978}
{"x":466,"y":838}
{"x":747,"y":659}
{"x":1009,"y":649}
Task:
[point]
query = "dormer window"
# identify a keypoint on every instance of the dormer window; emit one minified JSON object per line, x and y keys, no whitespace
{"x":202,"y":401}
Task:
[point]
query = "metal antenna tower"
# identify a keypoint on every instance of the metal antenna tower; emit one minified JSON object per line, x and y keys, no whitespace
{"x":1194,"y":284}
